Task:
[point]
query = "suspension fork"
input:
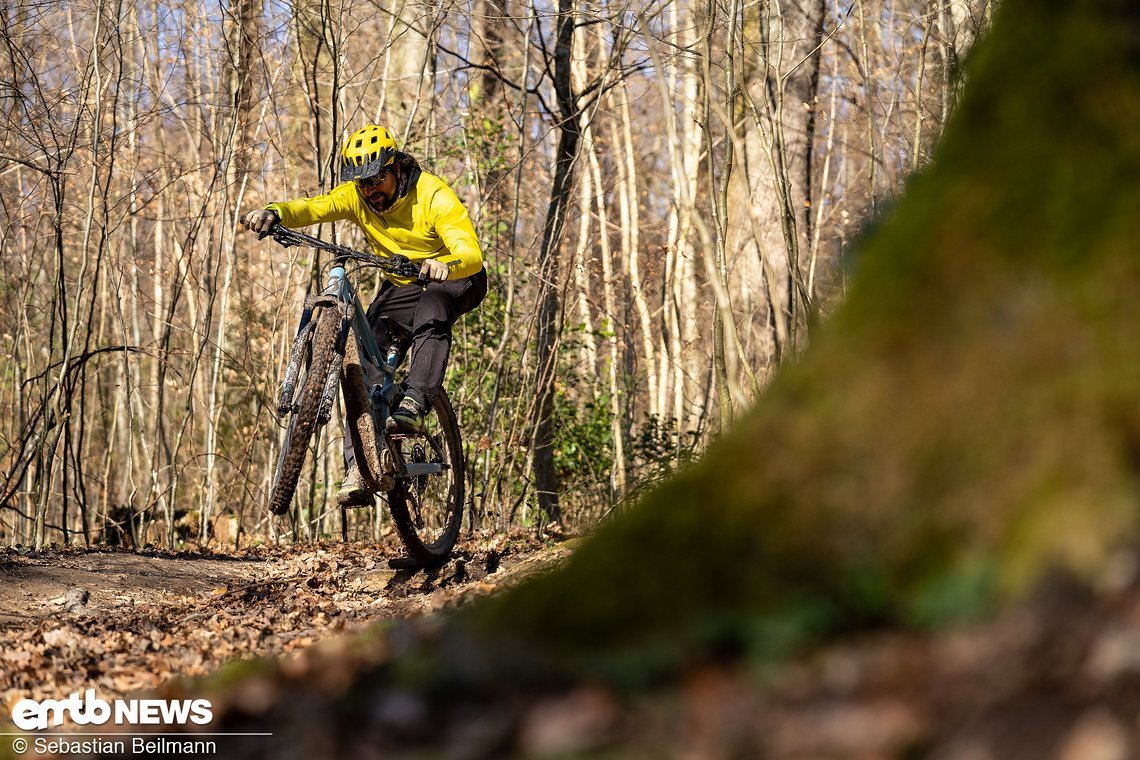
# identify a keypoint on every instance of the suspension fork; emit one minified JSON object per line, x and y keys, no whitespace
{"x":337,"y":295}
{"x":296,"y":354}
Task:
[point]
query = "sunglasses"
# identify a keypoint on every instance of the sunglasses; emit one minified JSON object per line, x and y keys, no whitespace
{"x":371,"y":182}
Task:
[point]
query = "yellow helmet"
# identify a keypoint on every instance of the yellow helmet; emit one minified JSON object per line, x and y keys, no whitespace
{"x":366,"y":152}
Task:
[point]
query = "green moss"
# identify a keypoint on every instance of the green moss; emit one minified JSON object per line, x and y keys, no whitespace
{"x":968,"y":420}
{"x":236,"y":672}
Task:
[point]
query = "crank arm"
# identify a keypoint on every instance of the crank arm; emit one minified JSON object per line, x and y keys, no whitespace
{"x":417,"y":469}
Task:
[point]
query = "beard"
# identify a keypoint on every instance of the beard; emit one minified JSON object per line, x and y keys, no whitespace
{"x":378,"y":201}
{"x":380,"y":204}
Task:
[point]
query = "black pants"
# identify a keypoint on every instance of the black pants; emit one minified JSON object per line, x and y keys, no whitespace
{"x":423,"y":317}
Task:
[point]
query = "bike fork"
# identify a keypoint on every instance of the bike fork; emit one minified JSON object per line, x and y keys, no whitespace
{"x":293,"y":369}
{"x":332,"y":381}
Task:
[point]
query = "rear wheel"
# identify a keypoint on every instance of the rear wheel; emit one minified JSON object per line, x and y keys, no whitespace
{"x":428,"y":508}
{"x":302,"y":422}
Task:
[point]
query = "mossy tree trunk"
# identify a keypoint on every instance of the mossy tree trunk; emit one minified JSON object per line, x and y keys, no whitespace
{"x":965,"y":422}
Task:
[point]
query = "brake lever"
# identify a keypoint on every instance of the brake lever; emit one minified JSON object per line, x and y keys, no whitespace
{"x":404,"y":267}
{"x":277,"y":232}
{"x":272,"y":229}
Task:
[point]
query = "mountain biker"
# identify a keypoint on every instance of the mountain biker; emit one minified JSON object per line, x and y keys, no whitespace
{"x":402,"y":210}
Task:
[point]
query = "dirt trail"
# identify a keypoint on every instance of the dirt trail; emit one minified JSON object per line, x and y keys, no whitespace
{"x":35,"y":585}
{"x":123,"y":621}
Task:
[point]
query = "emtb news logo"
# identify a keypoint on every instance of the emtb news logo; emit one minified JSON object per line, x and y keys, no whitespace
{"x":30,"y":715}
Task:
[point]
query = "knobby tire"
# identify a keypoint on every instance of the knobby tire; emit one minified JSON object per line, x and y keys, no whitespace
{"x":430,"y":532}
{"x":303,"y":417}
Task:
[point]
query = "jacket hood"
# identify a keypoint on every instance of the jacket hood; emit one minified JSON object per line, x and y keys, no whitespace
{"x":409,"y":173}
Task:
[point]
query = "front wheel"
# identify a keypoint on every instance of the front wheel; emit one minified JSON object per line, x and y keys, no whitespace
{"x":303,"y":414}
{"x":428,"y":508}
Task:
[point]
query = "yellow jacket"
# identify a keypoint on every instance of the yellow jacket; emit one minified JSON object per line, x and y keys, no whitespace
{"x":428,"y":222}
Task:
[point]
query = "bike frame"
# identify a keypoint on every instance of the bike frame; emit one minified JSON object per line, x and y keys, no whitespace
{"x":340,"y":295}
{"x":382,"y":397}
{"x":422,"y":470}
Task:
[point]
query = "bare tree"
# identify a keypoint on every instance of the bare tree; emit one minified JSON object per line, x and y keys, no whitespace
{"x":725,"y":155}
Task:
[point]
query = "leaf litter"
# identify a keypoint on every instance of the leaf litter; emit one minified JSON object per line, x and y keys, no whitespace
{"x":128,"y":621}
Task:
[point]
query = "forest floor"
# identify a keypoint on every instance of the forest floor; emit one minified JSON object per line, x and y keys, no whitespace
{"x":126,"y":621}
{"x":1055,"y":677}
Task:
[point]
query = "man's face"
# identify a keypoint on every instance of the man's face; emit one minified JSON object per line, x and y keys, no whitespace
{"x":379,"y":191}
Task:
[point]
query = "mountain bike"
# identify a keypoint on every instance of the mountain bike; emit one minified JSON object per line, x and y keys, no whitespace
{"x":421,"y":474}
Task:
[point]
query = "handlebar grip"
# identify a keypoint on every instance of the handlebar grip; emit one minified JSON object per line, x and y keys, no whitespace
{"x":273,"y":228}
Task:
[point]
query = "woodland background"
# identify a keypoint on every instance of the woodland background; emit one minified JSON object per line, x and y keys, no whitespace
{"x":665,"y":193}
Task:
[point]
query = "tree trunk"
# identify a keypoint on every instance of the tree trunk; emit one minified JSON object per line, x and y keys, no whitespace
{"x":546,"y":341}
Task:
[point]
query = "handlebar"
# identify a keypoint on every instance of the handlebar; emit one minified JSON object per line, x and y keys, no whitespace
{"x":398,"y":264}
